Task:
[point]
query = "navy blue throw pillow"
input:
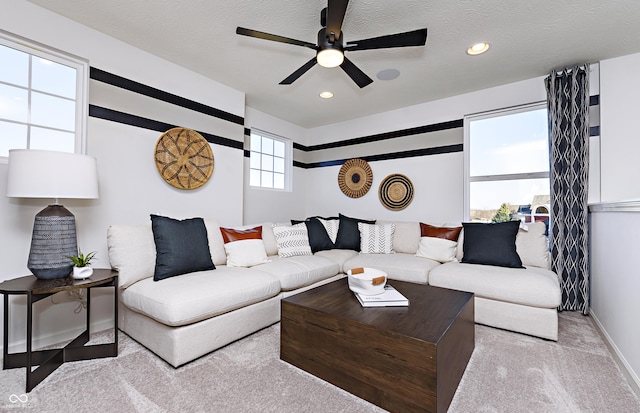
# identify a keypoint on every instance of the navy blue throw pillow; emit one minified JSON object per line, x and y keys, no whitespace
{"x":182,"y":246}
{"x":348,"y":237}
{"x":491,"y":244}
{"x":318,"y":238}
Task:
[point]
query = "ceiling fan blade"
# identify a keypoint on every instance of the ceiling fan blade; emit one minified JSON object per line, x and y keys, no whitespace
{"x":355,"y":74}
{"x":295,"y":75}
{"x":274,"y":37}
{"x":412,"y":38}
{"x":335,"y":16}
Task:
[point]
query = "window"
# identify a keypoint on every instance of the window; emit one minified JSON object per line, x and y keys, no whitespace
{"x":507,"y":165}
{"x":42,"y":97}
{"x":269,"y":161}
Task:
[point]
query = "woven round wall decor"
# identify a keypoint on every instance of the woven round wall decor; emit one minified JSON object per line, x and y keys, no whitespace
{"x":355,"y":178}
{"x":184,"y":158}
{"x":396,"y":192}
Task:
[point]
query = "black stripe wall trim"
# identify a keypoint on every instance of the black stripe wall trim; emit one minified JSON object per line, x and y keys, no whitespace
{"x":138,"y":121}
{"x":388,"y":156}
{"x":458,"y":123}
{"x":130,"y":85}
{"x":382,"y":157}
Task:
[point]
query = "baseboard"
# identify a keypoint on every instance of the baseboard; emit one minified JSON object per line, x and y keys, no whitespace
{"x":59,"y":337}
{"x":627,"y":370}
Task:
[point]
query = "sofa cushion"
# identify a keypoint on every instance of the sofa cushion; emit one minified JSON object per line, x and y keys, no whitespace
{"x":376,"y":238}
{"x":216,"y":244}
{"x":399,"y":266}
{"x":197,"y":296}
{"x":182,"y":246}
{"x":406,"y":236}
{"x":339,"y":256}
{"x":299,"y":271}
{"x":533,"y":286}
{"x":132,"y":252}
{"x":491,"y":244}
{"x":293,"y":240}
{"x":348,"y":237}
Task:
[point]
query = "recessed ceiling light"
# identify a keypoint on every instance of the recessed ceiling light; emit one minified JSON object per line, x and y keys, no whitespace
{"x":388,"y":74}
{"x":478,"y":48}
{"x":326,"y":95}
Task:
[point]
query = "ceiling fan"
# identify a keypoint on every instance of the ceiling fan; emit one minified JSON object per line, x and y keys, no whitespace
{"x":330,"y":48}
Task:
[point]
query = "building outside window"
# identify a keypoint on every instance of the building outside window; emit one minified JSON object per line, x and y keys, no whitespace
{"x":270,"y":161}
{"x":507,"y":165}
{"x":42,"y":97}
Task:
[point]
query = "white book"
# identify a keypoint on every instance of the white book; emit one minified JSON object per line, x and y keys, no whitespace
{"x":389,"y":298}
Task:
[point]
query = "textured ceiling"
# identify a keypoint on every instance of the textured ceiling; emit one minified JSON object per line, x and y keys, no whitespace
{"x":528,"y":39}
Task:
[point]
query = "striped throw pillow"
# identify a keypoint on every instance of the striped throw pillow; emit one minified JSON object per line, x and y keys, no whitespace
{"x":292,"y":240}
{"x":376,"y":238}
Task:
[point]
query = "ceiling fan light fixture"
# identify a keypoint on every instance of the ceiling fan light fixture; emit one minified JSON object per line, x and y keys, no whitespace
{"x":330,"y":57}
{"x":478,"y":48}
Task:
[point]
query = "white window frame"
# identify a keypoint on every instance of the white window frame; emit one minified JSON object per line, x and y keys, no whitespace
{"x":288,"y":161}
{"x":82,"y":81}
{"x":467,"y":153}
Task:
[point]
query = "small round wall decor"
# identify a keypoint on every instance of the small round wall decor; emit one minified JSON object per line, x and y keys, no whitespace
{"x":355,"y":178}
{"x":396,"y":192}
{"x":184,"y":158}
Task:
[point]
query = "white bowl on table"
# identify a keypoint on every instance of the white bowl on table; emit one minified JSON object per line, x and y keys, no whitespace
{"x":370,"y":281}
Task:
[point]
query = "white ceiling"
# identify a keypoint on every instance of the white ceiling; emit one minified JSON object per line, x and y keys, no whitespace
{"x":528,"y":38}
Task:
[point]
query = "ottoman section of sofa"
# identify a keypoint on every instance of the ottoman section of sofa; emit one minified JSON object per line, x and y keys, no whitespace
{"x":530,"y":286}
{"x":197,"y":296}
{"x":399,"y":266}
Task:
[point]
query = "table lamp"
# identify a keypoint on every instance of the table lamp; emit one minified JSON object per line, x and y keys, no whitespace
{"x":36,"y":173}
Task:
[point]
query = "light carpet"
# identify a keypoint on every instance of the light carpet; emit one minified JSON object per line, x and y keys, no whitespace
{"x":508,"y":372}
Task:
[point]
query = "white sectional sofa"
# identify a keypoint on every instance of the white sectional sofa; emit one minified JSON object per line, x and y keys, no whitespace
{"x":184,"y":317}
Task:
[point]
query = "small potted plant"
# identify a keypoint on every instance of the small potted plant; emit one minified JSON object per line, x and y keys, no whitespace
{"x":81,"y":269}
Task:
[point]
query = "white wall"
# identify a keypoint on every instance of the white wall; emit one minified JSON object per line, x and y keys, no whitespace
{"x":615,"y":283}
{"x":265,"y":205}
{"x":130,"y":186}
{"x":620,"y":135}
{"x":614,"y":228}
{"x":438,"y":179}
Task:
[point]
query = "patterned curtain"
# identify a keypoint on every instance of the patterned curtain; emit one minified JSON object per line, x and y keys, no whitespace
{"x":568,"y":108}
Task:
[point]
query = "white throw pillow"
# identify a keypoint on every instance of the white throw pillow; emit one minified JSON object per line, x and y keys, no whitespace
{"x":437,"y":249}
{"x":376,"y":238}
{"x":292,"y":240}
{"x":245,"y":253}
{"x":331,"y":225}
{"x":533,"y":246}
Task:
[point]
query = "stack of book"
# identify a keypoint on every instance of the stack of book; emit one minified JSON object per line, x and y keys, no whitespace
{"x":389,"y":298}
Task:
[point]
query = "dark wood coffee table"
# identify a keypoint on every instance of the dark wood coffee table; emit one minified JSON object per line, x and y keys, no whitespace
{"x":403,"y":359}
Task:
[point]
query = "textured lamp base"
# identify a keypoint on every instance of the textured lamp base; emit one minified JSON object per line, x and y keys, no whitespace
{"x":53,"y":240}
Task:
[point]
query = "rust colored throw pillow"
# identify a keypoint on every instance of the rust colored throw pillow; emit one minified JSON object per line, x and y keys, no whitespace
{"x":232,"y":234}
{"x":450,"y":233}
{"x":244,"y":247}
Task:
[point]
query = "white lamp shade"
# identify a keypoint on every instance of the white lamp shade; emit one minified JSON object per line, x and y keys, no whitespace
{"x":37,"y":173}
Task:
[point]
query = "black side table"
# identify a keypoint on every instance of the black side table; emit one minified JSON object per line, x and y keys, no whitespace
{"x":49,"y":360}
